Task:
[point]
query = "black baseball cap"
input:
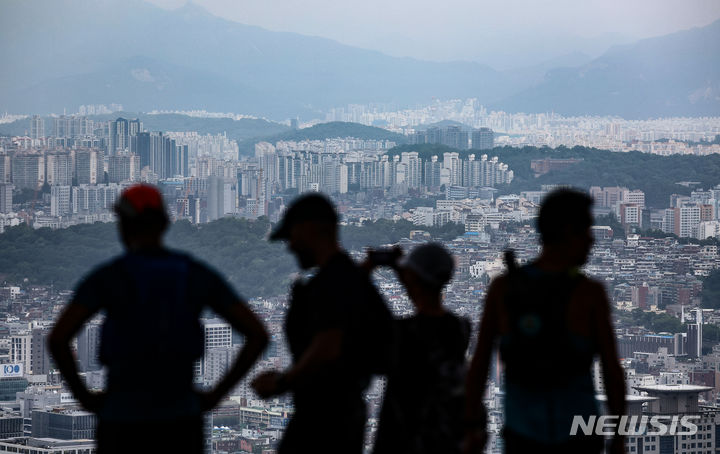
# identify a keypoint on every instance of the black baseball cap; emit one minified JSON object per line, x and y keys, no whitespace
{"x":310,"y":207}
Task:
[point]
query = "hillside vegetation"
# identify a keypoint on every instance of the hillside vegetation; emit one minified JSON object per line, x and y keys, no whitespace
{"x":238,"y":248}
{"x":657,"y":176}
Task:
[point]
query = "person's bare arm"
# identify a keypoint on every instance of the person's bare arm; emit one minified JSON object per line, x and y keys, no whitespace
{"x":243,"y":320}
{"x":613,"y":375}
{"x":325,"y":348}
{"x":66,"y":327}
{"x":475,"y":416}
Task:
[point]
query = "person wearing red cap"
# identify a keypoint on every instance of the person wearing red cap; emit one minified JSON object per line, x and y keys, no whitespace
{"x":152,"y":299}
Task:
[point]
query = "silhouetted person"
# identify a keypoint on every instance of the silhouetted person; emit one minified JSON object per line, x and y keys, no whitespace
{"x":152,"y":299}
{"x":333,"y":322}
{"x":424,"y":398}
{"x":549,"y":322}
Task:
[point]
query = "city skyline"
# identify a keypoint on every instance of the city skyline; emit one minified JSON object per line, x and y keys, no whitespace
{"x":420,"y":123}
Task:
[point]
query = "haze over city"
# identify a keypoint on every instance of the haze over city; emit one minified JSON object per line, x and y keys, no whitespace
{"x":502,"y":34}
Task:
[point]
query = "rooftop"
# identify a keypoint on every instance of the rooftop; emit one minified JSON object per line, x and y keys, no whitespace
{"x":673,"y":388}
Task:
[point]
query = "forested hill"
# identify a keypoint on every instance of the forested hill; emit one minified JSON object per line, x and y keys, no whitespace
{"x":236,"y":247}
{"x":657,"y":176}
{"x":61,"y":257}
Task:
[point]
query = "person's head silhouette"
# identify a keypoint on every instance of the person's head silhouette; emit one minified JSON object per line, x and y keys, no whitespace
{"x":142,"y":216}
{"x":310,"y":227}
{"x":425,"y":272}
{"x":564,"y":224}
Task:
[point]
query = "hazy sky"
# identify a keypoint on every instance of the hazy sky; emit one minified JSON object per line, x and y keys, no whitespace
{"x":497,"y":32}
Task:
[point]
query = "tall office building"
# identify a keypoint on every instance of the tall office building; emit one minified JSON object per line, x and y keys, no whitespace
{"x":334,"y":177}
{"x":413,"y":168}
{"x":89,"y":167}
{"x":37,"y":127}
{"x":432,"y":174}
{"x":123,"y":167}
{"x":269,"y":163}
{"x":40,"y":355}
{"x":673,"y":401}
{"x":472,"y":172}
{"x":72,"y":126}
{"x":451,"y":162}
{"x":217,"y":361}
{"x":687,"y":219}
{"x":118,"y":136}
{"x":6,"y":198}
{"x":60,"y":200}
{"x":483,"y":139}
{"x":451,"y":136}
{"x":61,"y":126}
{"x":28,"y":170}
{"x":81,"y":126}
{"x":88,"y":347}
{"x":90,"y":199}
{"x":218,"y":335}
{"x":21,"y":350}
{"x":222,"y":196}
{"x":455,"y":137}
{"x":120,"y":132}
{"x":161,"y":154}
{"x":58,"y":169}
{"x":5,"y":168}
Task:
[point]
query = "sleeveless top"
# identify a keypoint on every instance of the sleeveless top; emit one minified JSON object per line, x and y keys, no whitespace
{"x":548,"y":377}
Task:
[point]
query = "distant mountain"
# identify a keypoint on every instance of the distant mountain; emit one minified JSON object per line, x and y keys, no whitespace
{"x":334,"y":129}
{"x":531,"y":75}
{"x":64,"y":53}
{"x":143,"y":57}
{"x":144,"y":84}
{"x":673,"y":75}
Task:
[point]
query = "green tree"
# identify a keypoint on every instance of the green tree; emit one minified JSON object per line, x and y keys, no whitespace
{"x":710,"y":296}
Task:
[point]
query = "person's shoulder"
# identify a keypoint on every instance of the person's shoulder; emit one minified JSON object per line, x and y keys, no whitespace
{"x":591,"y":290}
{"x":590,"y":284}
{"x":107,"y":268}
{"x":499,"y":283}
{"x":104,"y":276}
{"x":339,"y":271}
{"x":342,"y":263}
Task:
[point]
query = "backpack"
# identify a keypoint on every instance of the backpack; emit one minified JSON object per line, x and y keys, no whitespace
{"x":376,"y":328}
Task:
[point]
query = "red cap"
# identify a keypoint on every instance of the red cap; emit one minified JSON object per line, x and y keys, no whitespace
{"x":139,"y":199}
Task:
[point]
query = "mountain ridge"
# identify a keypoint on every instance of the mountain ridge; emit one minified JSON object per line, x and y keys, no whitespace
{"x":672,"y":75}
{"x":192,"y":59}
